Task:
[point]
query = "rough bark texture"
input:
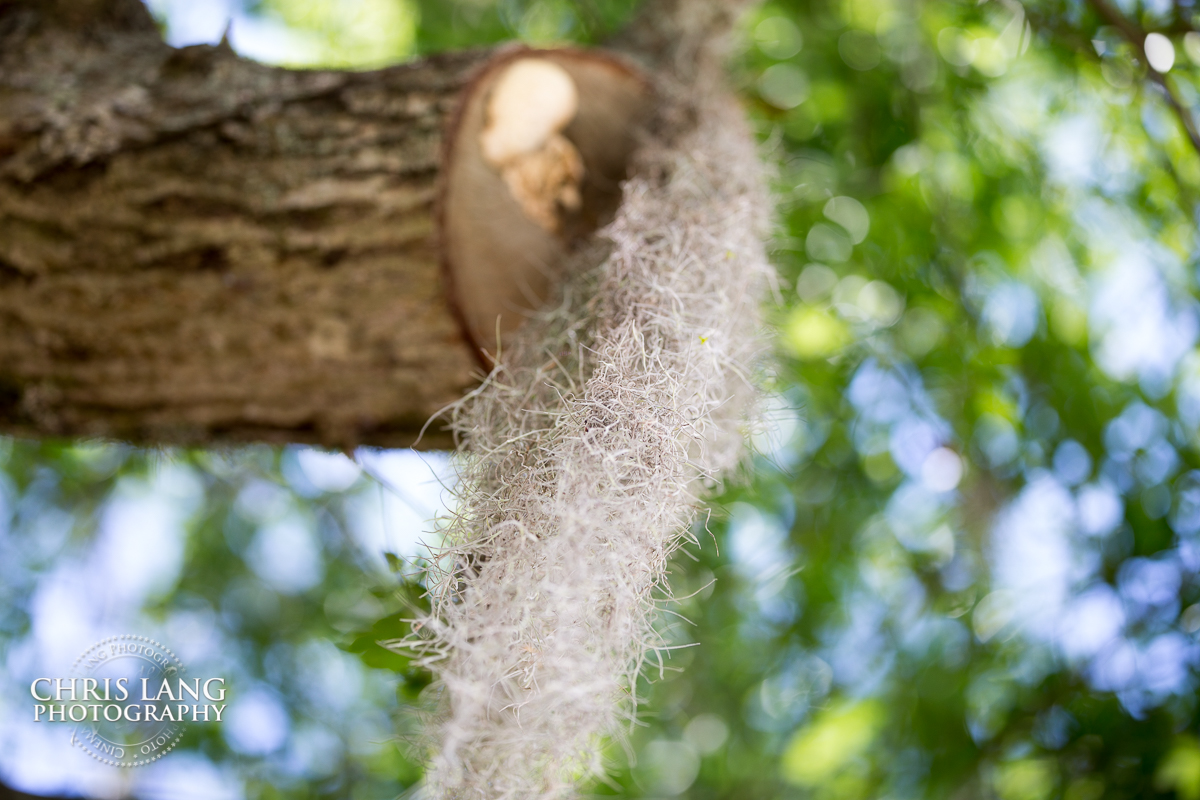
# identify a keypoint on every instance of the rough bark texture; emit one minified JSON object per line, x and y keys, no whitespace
{"x":197,"y":248}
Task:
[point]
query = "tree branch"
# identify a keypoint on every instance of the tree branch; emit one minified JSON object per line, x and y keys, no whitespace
{"x":198,"y":249}
{"x":1080,"y":43}
{"x":195,"y":248}
{"x":1137,"y":38}
{"x":129,"y":16}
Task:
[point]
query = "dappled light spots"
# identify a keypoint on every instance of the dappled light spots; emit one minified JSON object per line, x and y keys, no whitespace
{"x":778,"y":37}
{"x":784,"y":86}
{"x":815,"y":333}
{"x":827,"y":749}
{"x":1159,"y":52}
{"x":859,"y":50}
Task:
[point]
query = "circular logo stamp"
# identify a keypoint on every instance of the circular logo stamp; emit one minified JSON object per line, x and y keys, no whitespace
{"x":129,"y":697}
{"x":128,"y":684}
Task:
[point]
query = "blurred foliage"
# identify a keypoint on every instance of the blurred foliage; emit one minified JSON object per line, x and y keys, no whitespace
{"x":472,"y":23}
{"x":349,"y":33}
{"x":267,"y":587}
{"x":966,"y":566}
{"x":964,"y":561}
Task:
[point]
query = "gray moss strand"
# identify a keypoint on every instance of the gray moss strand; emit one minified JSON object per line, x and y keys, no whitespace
{"x":583,"y":458}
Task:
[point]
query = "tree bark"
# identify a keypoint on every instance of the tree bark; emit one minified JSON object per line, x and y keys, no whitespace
{"x":198,"y":249}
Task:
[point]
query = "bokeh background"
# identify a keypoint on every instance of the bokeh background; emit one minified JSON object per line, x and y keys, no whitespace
{"x":963,"y":563}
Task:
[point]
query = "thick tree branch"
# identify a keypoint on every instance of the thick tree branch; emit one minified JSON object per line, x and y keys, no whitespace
{"x":86,"y":16}
{"x":196,"y":248}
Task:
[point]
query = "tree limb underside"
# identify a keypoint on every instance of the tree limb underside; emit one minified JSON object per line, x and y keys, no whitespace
{"x":197,"y":248}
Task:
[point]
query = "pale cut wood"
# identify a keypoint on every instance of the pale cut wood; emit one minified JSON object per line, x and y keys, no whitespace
{"x":501,"y":263}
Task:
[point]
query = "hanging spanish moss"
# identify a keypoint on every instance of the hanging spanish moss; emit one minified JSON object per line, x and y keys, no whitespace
{"x":584,"y":457}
